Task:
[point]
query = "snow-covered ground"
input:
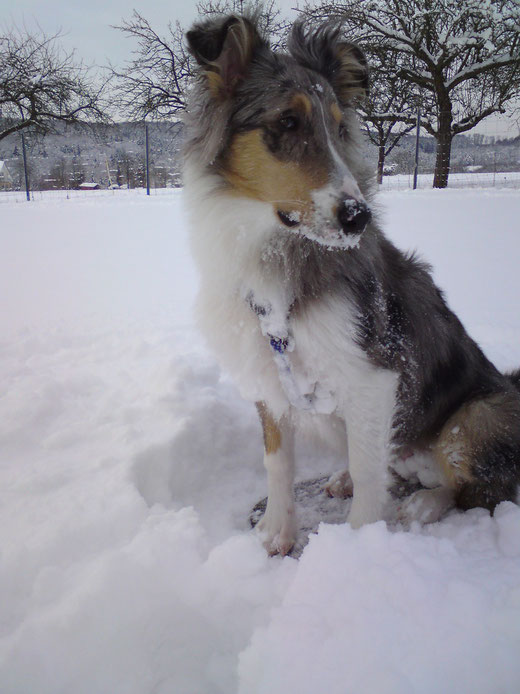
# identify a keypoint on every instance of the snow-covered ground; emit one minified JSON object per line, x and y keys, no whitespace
{"x":128,"y":466}
{"x":468,"y":179}
{"x":401,"y":182}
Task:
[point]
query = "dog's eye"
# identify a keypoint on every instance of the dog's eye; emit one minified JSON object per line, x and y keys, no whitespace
{"x":289,"y":122}
{"x":343,"y":132}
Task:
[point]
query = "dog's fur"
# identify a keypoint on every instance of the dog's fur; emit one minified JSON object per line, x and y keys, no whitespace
{"x":306,"y":302}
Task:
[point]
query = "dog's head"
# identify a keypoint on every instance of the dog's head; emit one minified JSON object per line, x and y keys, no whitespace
{"x":288,"y":132}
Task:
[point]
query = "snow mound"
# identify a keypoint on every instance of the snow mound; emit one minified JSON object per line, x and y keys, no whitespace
{"x":369,"y":611}
{"x":129,"y":466}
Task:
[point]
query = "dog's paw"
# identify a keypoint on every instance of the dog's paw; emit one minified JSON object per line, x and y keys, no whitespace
{"x":358,"y":517}
{"x":278,"y":537}
{"x":425,"y":506}
{"x":369,"y":505}
{"x":340,"y":485}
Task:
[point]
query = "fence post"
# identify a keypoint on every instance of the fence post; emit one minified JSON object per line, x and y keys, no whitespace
{"x":417,"y":133}
{"x":27,"y":191}
{"x":147,"y":159}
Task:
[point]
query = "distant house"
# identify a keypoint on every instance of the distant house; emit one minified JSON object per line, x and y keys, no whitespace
{"x":88,"y":186}
{"x":6,"y":180}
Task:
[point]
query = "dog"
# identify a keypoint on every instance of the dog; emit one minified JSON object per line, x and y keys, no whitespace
{"x":306,"y":303}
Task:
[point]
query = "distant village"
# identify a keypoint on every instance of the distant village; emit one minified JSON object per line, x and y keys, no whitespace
{"x":113,"y":156}
{"x":89,"y":157}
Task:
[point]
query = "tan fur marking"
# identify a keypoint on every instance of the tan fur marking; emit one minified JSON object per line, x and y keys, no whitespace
{"x":215,"y":83}
{"x":336,"y":113}
{"x":272,"y":434}
{"x":452,"y":450}
{"x":255,"y":172}
{"x":348,"y":81}
{"x":239,"y":45}
{"x":301,"y":102}
{"x":466,"y":433}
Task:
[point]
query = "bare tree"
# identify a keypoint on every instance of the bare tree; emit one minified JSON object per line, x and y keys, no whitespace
{"x":391,"y":100}
{"x":270,"y":19}
{"x":463,"y":54}
{"x":41,"y":84}
{"x":154,"y":83}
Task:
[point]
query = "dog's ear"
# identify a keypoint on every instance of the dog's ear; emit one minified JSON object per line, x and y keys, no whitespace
{"x":224,"y":48}
{"x":351,"y":79}
{"x":341,"y":62}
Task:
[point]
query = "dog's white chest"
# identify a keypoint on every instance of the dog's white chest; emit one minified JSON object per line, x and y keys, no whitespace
{"x":325,"y":350}
{"x":246,"y":300}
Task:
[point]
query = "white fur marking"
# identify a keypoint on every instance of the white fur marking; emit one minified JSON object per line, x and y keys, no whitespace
{"x":426,"y":506}
{"x":278,"y":525}
{"x":325,"y":229}
{"x":364,"y":396}
{"x":349,"y":184}
{"x":369,"y":426}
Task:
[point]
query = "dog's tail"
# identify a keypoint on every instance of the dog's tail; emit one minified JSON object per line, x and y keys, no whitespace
{"x":514,"y":377}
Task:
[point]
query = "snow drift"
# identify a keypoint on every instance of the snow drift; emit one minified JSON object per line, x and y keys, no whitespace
{"x":128,"y":466}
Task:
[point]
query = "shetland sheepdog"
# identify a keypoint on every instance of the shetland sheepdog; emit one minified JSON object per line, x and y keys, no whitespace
{"x":306,"y":303}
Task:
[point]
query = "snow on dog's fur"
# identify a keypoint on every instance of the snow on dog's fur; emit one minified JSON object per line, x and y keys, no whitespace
{"x":305,"y":301}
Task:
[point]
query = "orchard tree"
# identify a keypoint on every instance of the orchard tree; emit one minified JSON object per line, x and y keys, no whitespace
{"x":391,"y":100}
{"x":41,"y":84}
{"x":462,"y":55}
{"x":271,"y":22}
{"x":154,"y":82}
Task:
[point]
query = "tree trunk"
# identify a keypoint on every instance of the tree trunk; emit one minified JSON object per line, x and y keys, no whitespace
{"x":444,"y":137}
{"x":380,"y":164}
{"x":442,"y":160}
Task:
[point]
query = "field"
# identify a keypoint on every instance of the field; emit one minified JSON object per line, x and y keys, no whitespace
{"x":128,"y":465}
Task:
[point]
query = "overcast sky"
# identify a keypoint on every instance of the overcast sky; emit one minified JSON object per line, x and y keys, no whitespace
{"x":86,"y":27}
{"x":87,"y":23}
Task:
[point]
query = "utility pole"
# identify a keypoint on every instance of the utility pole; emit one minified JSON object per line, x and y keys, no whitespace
{"x":416,"y":166}
{"x":147,"y":159}
{"x":27,"y":191}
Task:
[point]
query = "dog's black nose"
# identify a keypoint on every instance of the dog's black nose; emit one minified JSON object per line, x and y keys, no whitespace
{"x":353,"y":216}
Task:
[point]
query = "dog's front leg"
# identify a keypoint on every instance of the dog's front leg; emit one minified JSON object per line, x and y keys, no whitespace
{"x":278,"y":526}
{"x":369,"y":428}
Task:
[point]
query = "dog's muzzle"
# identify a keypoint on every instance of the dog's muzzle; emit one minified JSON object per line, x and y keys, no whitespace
{"x":353,"y":216}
